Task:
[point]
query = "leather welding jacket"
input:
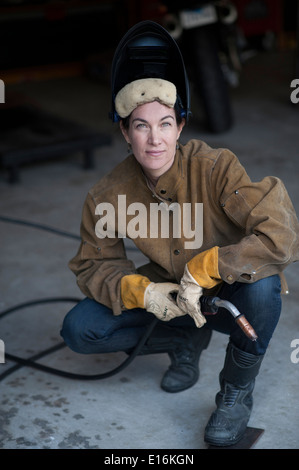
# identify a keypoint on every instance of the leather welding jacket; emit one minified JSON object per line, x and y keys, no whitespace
{"x":254,"y":224}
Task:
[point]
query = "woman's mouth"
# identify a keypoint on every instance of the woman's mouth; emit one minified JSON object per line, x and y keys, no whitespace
{"x":155,"y":153}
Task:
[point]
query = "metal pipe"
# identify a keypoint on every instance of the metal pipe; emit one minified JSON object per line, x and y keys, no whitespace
{"x":239,"y":317}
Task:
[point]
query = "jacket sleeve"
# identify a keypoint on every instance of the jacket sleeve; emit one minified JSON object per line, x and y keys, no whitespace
{"x":100,"y":264}
{"x":267,"y":219}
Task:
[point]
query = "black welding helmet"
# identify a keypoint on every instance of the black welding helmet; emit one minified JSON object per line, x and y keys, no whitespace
{"x":148,"y":51}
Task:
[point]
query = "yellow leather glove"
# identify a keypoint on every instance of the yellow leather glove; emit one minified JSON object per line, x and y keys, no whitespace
{"x":201,"y":272}
{"x":139,"y":291}
{"x":204,"y":268}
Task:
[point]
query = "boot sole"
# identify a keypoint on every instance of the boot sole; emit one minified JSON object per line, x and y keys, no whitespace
{"x":222,"y":443}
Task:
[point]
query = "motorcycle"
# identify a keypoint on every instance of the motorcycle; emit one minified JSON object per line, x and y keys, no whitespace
{"x":206,"y":33}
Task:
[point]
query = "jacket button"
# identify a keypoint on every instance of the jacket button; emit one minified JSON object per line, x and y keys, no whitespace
{"x":163,"y":191}
{"x":176,"y":252}
{"x":229,"y":277}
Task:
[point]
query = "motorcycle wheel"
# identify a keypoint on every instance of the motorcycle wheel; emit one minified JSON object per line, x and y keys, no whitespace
{"x":209,"y":79}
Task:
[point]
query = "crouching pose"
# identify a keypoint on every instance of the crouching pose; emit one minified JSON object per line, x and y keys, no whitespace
{"x":204,"y":226}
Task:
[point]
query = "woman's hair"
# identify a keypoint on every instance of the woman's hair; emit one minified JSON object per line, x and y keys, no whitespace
{"x":178,"y":115}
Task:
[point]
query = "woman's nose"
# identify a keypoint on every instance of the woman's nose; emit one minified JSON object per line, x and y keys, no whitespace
{"x":154,"y":138}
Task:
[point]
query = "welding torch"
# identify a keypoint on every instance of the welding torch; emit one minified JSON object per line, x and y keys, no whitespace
{"x":209,"y":306}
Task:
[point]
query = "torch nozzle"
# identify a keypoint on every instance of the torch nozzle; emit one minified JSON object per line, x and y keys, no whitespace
{"x":215,"y":302}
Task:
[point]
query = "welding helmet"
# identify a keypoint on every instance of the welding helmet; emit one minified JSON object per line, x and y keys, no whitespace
{"x":147,"y":51}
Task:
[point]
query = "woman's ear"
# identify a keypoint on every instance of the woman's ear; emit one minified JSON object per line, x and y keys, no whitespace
{"x":180,"y":127}
{"x":124,"y":132}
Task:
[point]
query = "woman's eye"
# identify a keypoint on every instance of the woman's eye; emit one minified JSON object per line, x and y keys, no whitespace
{"x":141,"y":125}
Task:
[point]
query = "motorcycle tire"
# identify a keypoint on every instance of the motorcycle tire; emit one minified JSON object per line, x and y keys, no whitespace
{"x":209,"y":79}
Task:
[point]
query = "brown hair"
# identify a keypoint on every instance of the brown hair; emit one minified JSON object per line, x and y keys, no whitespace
{"x":177,"y":109}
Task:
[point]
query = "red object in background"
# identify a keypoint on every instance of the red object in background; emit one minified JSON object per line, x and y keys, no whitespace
{"x":152,"y":10}
{"x":54,"y":13}
{"x":255,"y":17}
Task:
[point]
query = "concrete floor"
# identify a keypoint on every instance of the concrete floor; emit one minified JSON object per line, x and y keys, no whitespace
{"x":129,"y":410}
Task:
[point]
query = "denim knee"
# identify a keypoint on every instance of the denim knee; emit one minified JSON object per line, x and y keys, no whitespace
{"x":260,"y":302}
{"x":72,"y":334}
{"x":77,"y":328}
{"x":91,"y":328}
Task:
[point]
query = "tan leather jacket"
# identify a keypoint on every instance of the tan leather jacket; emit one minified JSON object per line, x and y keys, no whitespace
{"x":254,"y":224}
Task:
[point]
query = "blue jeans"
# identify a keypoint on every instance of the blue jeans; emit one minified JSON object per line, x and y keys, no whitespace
{"x":91,"y":328}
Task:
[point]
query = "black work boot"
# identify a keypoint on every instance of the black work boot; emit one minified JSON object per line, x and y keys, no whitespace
{"x":228,"y":422}
{"x":184,"y":347}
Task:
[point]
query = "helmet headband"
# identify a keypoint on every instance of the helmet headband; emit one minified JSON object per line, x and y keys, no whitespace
{"x":144,"y":91}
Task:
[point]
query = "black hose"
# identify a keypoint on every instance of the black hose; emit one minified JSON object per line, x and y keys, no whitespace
{"x":31,"y":362}
{"x":36,"y":302}
{"x":12,"y":220}
{"x":47,"y":228}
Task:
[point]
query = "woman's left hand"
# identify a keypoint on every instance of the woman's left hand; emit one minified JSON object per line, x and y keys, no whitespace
{"x":188,"y":298}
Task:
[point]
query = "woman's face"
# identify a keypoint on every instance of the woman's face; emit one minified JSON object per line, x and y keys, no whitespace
{"x":153,"y":133}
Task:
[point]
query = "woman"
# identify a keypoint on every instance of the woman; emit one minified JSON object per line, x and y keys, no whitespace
{"x":248,"y":235}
